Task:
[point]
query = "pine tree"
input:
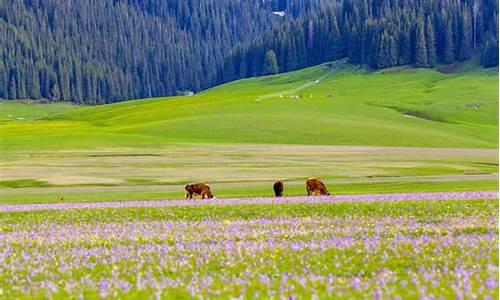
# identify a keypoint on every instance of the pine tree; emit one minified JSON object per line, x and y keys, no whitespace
{"x":475,"y":14}
{"x":355,"y":47}
{"x":335,"y":40}
{"x":12,"y":88}
{"x":270,"y":63}
{"x":466,"y":38}
{"x":387,"y":52}
{"x":229,"y":71}
{"x":393,"y":51}
{"x":404,"y":49}
{"x":33,"y":84}
{"x":382,"y":55}
{"x":372,"y":50}
{"x":457,"y":36}
{"x":21,"y":85}
{"x":55,"y":93}
{"x":448,"y":54}
{"x":292,"y":61}
{"x":77,"y":94}
{"x":300,"y":46}
{"x":4,"y":83}
{"x":431,"y":43}
{"x":489,"y":55}
{"x":243,"y":68}
{"x":421,"y":60}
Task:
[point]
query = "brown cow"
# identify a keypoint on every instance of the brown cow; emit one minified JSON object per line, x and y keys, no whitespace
{"x":278,"y":188}
{"x":315,"y":186}
{"x":198,"y":189}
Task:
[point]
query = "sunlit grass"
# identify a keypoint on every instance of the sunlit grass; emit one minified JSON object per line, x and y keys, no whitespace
{"x":408,"y":249}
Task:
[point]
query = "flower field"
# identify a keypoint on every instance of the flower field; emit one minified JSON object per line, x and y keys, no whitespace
{"x":428,"y":246}
{"x":262,"y":200}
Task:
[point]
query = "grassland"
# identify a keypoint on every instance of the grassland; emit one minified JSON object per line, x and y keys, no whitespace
{"x":386,"y":131}
{"x":422,"y":108}
{"x":398,"y":130}
{"x":357,"y":250}
{"x":239,"y":170}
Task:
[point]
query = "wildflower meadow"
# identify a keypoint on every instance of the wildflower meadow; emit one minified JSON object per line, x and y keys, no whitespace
{"x":411,"y":246}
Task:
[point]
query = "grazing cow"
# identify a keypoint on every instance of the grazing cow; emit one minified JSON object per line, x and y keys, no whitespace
{"x":315,"y":186}
{"x":278,"y":188}
{"x":198,"y":189}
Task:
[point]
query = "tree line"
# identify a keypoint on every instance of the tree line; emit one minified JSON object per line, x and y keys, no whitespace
{"x":102,"y":51}
{"x":377,"y":34}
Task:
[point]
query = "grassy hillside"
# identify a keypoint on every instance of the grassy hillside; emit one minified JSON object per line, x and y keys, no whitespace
{"x":318,"y":105}
{"x":328,"y":121}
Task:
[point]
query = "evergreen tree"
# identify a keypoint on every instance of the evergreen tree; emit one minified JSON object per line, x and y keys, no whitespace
{"x":431,"y":43}
{"x":229,"y":71}
{"x":4,"y":82}
{"x":292,"y":58}
{"x":77,"y":84}
{"x":393,"y":51}
{"x":21,"y":86}
{"x":448,"y":53}
{"x":270,"y":63}
{"x":489,"y":55}
{"x":243,"y":69}
{"x":33,"y":84}
{"x":372,"y":50}
{"x":405,"y":51}
{"x":421,"y":60}
{"x":12,"y":88}
{"x":466,"y":38}
{"x":355,"y":47}
{"x":456,"y":34}
{"x":334,"y":40}
{"x":475,"y":23}
{"x":387,"y":52}
{"x":300,"y":43}
{"x":55,"y":92}
{"x":64,"y":81}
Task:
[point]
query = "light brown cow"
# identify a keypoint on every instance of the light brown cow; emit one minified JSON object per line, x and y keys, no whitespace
{"x":198,"y":189}
{"x":315,"y":186}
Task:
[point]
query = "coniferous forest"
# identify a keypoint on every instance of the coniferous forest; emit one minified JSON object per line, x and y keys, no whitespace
{"x":102,"y":51}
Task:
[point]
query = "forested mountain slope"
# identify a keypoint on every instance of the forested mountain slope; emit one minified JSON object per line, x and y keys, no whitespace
{"x":105,"y":51}
{"x":102,"y":51}
{"x":377,"y":34}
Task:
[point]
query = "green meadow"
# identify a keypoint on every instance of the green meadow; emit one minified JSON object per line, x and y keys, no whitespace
{"x":351,"y":250}
{"x":394,"y":130}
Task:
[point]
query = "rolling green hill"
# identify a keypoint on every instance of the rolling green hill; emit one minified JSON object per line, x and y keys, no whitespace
{"x":324,"y":105}
{"x":359,"y":131}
